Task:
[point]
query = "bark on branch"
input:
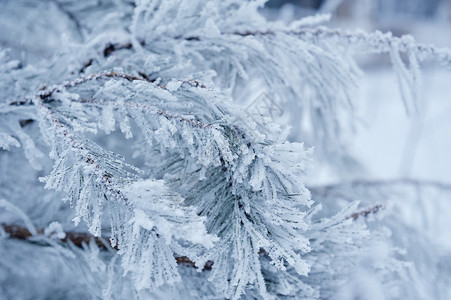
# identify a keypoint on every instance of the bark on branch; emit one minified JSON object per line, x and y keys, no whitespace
{"x":80,"y":238}
{"x":366,"y":212}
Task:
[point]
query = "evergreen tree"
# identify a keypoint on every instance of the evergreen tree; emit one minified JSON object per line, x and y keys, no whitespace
{"x":163,"y":183}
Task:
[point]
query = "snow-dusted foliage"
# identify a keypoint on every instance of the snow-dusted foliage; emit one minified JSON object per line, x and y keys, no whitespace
{"x":161,"y":160}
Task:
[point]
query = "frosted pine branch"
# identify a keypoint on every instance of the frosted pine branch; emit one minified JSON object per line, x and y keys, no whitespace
{"x":357,"y":40}
{"x":222,"y":148}
{"x":376,"y":42}
{"x":160,"y":148}
{"x":80,"y":238}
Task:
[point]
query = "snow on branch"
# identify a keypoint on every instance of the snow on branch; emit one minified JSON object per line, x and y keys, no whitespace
{"x":182,"y":120}
{"x":93,"y":177}
{"x":376,"y":41}
{"x":79,"y":238}
{"x":199,"y":180}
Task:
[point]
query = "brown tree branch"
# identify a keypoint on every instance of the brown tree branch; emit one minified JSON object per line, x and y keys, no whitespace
{"x":150,"y":109}
{"x":45,"y":93}
{"x":79,"y":238}
{"x":365,"y":212}
{"x":110,"y":48}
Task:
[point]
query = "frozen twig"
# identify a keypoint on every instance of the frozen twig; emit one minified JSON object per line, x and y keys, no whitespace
{"x":47,"y":92}
{"x":380,"y":183}
{"x":377,"y":41}
{"x":373,"y":42}
{"x":365,"y":212}
{"x":79,"y":238}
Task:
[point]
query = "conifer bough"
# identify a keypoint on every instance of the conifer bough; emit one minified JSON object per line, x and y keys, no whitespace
{"x":161,"y":163}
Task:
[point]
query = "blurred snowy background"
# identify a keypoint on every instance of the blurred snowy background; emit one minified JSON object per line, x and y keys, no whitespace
{"x":387,"y":141}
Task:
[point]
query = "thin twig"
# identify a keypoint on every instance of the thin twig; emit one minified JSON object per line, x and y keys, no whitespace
{"x":110,"y":48}
{"x":45,"y":93}
{"x":77,"y":238}
{"x":150,"y":109}
{"x":377,"y":41}
{"x":80,"y":238}
{"x":381,"y":183}
{"x":366,"y":212}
